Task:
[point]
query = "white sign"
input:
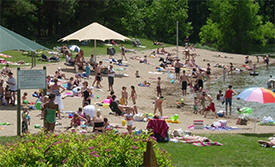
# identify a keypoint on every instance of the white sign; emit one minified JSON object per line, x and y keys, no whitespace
{"x":31,"y":79}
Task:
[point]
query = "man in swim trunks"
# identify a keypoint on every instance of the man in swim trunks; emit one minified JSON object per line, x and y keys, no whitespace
{"x":199,"y":77}
{"x":177,"y":69}
{"x":184,"y":80}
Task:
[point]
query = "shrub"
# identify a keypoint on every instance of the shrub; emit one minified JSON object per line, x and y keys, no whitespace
{"x":71,"y":149}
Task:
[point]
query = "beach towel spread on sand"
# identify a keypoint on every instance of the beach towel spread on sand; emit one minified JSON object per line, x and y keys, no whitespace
{"x":158,"y":126}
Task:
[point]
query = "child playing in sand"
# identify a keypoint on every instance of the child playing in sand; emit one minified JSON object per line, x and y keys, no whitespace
{"x":211,"y":106}
{"x":8,"y":95}
{"x":129,"y":119}
{"x":220,"y":96}
{"x":24,"y":98}
{"x":158,"y":105}
{"x":124,"y":96}
{"x":76,"y":120}
{"x":25,"y":120}
{"x":195,"y":106}
{"x":158,"y":88}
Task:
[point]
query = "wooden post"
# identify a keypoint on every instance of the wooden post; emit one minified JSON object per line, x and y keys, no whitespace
{"x":18,"y":108}
{"x":149,"y":158}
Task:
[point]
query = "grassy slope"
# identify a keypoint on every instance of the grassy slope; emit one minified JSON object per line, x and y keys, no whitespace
{"x":88,"y":49}
{"x":238,"y":150}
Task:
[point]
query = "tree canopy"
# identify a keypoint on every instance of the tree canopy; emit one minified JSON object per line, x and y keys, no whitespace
{"x":228,"y":25}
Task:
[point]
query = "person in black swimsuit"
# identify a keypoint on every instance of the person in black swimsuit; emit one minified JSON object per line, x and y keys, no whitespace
{"x":86,"y":93}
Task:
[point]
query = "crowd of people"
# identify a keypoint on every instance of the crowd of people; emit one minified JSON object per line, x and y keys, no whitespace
{"x":87,"y":115}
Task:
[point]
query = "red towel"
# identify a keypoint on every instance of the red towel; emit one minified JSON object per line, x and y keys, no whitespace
{"x":158,"y":126}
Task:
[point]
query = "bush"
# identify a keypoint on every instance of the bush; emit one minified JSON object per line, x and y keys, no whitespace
{"x":71,"y":149}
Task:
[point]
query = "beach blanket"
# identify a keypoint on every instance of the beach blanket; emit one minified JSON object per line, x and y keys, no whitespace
{"x":200,"y":144}
{"x":221,"y":128}
{"x":5,"y":56}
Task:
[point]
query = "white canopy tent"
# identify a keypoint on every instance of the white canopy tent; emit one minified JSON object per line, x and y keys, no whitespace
{"x":94,"y":32}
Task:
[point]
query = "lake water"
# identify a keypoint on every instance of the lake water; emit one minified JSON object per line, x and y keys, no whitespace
{"x":240,"y":82}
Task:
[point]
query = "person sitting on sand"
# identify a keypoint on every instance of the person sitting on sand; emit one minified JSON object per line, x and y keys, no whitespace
{"x":70,"y":84}
{"x":59,"y":74}
{"x":79,"y":60}
{"x":163,"y":51}
{"x":158,"y":105}
{"x":98,"y":122}
{"x":5,"y":70}
{"x":159,"y":129}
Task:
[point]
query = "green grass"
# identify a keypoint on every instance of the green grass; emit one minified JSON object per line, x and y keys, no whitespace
{"x":238,"y":150}
{"x":101,"y":49}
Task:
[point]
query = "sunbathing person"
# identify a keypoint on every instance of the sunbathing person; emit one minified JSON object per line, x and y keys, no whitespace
{"x":269,"y":143}
{"x":120,"y":109}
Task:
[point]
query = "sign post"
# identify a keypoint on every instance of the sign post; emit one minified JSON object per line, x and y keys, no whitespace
{"x":28,"y":79}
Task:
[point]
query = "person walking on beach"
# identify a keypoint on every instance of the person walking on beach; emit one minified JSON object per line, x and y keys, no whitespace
{"x":97,"y":80}
{"x":177,"y":69}
{"x":111,"y":76}
{"x":158,"y":88}
{"x":228,"y":99}
{"x":49,"y":113}
{"x":184,"y":82}
{"x":123,"y":51}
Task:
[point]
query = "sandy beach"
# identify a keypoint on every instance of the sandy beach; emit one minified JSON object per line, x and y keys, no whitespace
{"x":146,"y":95}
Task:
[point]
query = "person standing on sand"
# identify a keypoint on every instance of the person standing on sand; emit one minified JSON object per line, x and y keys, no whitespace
{"x":124,"y":96}
{"x":228,"y":98}
{"x":111,"y":76}
{"x":158,"y":88}
{"x":266,"y":60}
{"x":177,"y":69}
{"x":97,"y":80}
{"x":49,"y":113}
{"x":203,"y":100}
{"x":158,"y":105}
{"x":134,"y":98}
{"x":184,"y":82}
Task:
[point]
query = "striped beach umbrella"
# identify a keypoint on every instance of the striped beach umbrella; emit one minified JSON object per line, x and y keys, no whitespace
{"x":257,"y":94}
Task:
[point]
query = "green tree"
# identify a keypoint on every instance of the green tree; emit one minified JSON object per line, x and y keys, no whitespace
{"x":161,"y":18}
{"x":235,"y":26}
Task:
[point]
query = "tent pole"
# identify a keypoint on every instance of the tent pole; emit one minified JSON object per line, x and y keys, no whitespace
{"x":95,"y":50}
{"x":177,"y":39}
